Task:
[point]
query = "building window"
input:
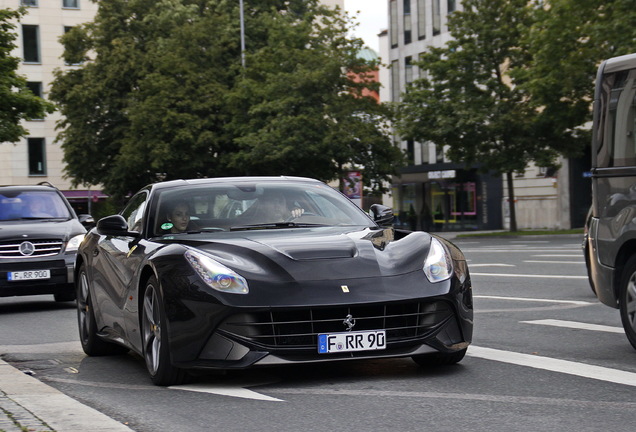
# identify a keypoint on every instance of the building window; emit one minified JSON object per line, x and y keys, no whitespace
{"x":437,"y":18}
{"x":439,"y":153}
{"x":32,"y":3}
{"x":410,"y":151}
{"x":394,"y":23}
{"x":31,"y":43}
{"x":36,"y":89}
{"x":70,"y":4}
{"x":37,"y":156}
{"x":424,"y":153}
{"x":408,"y":70}
{"x":395,"y":81}
{"x":407,"y":22}
{"x":451,"y":6}
{"x":421,"y":19}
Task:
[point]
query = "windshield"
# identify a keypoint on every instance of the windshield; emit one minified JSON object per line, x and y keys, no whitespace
{"x":260,"y":205}
{"x":32,"y":205}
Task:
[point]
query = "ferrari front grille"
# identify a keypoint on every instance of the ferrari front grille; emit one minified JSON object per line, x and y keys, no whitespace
{"x":298,"y":328}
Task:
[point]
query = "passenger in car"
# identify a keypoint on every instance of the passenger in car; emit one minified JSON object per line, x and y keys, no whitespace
{"x":178,"y":218}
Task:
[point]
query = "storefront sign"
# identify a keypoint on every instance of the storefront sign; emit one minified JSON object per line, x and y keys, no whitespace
{"x":448,"y":174}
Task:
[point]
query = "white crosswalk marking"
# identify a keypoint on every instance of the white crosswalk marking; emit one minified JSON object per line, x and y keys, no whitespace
{"x":576,"y":325}
{"x":555,"y":365}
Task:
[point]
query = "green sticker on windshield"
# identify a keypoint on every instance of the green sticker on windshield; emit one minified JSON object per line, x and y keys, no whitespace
{"x":166,"y":226}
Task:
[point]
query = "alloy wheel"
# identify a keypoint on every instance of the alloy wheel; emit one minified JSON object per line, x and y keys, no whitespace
{"x":151,"y":329}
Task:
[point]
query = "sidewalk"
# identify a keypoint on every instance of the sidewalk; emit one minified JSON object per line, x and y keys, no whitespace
{"x":28,"y":405}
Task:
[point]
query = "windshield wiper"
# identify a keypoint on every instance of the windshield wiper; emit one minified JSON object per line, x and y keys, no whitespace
{"x":276,"y":225}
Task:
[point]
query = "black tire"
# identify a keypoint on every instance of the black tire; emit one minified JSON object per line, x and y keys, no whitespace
{"x":439,"y":358}
{"x":92,"y":344}
{"x":155,"y":339}
{"x":627,"y":300}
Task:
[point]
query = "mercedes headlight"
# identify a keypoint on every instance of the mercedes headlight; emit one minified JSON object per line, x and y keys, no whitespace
{"x":438,"y":265}
{"x":216,"y":275}
{"x":73,"y":244}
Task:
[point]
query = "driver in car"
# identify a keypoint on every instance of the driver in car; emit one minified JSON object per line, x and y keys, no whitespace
{"x":272,"y":207}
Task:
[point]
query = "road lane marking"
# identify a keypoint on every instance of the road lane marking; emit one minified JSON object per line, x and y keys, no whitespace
{"x":529,"y":299}
{"x":558,"y":256}
{"x":576,"y":325}
{"x":528,"y":276}
{"x":555,"y":365}
{"x":485,"y":250}
{"x":471,"y":397}
{"x":226,"y":390}
{"x":492,"y":265}
{"x":554,"y":262}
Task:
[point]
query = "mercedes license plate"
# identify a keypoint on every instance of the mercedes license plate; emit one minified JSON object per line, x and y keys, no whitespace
{"x":29,"y":275}
{"x":351,"y":341}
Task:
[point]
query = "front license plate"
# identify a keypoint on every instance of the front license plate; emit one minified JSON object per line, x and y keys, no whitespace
{"x":29,"y":275}
{"x":351,"y":341}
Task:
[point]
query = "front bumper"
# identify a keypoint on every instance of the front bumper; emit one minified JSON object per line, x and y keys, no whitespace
{"x":60,"y":282}
{"x":434,"y":330}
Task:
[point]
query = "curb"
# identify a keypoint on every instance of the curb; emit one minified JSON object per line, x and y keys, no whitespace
{"x":28,"y":404}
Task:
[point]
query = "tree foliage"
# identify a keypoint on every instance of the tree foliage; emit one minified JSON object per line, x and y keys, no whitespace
{"x":161,"y":94}
{"x":17,"y":102}
{"x":567,"y":41}
{"x":468,"y":101}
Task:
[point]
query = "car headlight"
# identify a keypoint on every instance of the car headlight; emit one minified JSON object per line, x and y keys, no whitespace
{"x":74,"y":243}
{"x":216,"y":275}
{"x":438,"y":265}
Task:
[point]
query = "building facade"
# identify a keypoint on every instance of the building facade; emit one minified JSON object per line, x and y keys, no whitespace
{"x":432,"y":193}
{"x":38,"y":157}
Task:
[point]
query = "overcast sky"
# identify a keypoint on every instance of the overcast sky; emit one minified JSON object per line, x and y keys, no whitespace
{"x":372,"y":19}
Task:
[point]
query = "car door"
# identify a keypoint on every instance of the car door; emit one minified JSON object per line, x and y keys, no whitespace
{"x":115,"y":260}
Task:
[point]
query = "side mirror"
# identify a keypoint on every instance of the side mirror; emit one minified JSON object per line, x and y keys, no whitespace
{"x":382,"y":215}
{"x":86,"y":220}
{"x":114,"y":225}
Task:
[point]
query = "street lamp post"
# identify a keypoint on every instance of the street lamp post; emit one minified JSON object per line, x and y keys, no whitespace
{"x":242,"y":35}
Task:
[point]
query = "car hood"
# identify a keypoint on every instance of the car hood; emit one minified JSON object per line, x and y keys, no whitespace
{"x":40,"y":229}
{"x":325,"y":253}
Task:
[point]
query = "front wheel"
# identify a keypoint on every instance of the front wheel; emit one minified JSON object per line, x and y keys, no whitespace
{"x":155,"y":339}
{"x":439,"y":358}
{"x":627,"y":300}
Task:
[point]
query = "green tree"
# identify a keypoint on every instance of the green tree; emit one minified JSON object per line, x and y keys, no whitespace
{"x":17,"y":102}
{"x":468,"y":100}
{"x":162,"y":94}
{"x":567,"y":42}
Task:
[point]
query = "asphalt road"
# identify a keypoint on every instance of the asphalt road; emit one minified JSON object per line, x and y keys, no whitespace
{"x":545,"y":355}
